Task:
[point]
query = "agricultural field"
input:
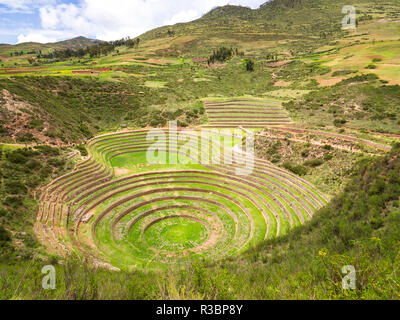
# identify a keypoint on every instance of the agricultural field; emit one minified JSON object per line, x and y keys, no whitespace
{"x":245,"y":112}
{"x":128,"y":214}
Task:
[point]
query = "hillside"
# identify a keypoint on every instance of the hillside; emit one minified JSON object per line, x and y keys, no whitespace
{"x":359,"y":227}
{"x":323,"y":105}
{"x":16,"y":54}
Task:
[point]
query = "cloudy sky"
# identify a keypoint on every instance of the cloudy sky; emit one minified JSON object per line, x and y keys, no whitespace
{"x":55,"y":20}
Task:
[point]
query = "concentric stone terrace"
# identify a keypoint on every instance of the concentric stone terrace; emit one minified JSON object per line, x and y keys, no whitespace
{"x":249,"y":113}
{"x":118,"y":210}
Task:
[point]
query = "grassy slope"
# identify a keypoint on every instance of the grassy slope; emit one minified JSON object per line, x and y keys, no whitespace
{"x":360,"y":227}
{"x":22,"y":172}
{"x":28,"y":48}
{"x":72,"y":109}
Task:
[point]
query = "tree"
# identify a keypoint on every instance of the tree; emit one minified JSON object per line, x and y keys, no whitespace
{"x":250,"y":65}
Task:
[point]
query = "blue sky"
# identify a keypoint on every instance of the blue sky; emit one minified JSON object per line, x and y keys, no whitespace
{"x":55,"y":20}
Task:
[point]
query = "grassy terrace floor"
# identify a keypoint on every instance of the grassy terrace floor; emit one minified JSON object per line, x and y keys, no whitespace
{"x":246,"y":112}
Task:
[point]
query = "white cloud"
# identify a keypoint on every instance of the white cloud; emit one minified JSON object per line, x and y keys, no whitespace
{"x":24,"y":6}
{"x":110,"y":20}
{"x":183,"y":16}
{"x":36,"y":37}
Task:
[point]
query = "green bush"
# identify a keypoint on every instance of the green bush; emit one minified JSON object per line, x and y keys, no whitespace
{"x":296,"y":169}
{"x":3,"y":130}
{"x":82,"y":149}
{"x":16,"y":157}
{"x":12,"y":201}
{"x":250,"y":65}
{"x":4,"y":237}
{"x":49,"y":151}
{"x":36,"y":124}
{"x":314,"y":163}
{"x":339,"y":122}
{"x":54,"y":162}
{"x":15,"y":187}
{"x":33,"y":164}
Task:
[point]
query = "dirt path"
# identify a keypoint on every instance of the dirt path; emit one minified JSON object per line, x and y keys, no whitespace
{"x":336,"y":135}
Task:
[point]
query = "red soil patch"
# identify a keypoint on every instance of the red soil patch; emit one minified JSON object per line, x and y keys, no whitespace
{"x":85,"y":72}
{"x":199,"y":59}
{"x":330,"y":82}
{"x":20,"y":70}
{"x":102,"y":69}
{"x":281,"y":83}
{"x":376,"y":57}
{"x":217,"y":65}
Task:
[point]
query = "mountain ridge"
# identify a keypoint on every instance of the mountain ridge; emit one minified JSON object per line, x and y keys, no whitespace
{"x":73,"y":43}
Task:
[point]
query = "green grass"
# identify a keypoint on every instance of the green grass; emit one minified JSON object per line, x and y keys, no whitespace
{"x":309,"y":257}
{"x":155,"y":84}
{"x":175,"y":234}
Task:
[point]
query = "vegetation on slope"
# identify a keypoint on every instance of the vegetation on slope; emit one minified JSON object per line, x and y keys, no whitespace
{"x":358,"y":102}
{"x":22,"y":172}
{"x":70,"y":110}
{"x":360,"y":227}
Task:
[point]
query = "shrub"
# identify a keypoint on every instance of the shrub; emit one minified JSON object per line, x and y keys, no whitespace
{"x":314,"y":163}
{"x":33,"y":164}
{"x":48,"y":151}
{"x":342,"y":73}
{"x":16,"y":157}
{"x":33,"y":182}
{"x":222,"y":54}
{"x":36,"y":124}
{"x":82,"y":150}
{"x":54,"y":162}
{"x":45,"y":172}
{"x":15,"y":187}
{"x":182,"y":124}
{"x":359,"y":78}
{"x":339,"y":122}
{"x":3,"y":212}
{"x":4,"y":237}
{"x":250,"y":65}
{"x":26,"y":138}
{"x":3,"y":130}
{"x":296,"y":169}
{"x":13,"y":201}
{"x":85,"y":130}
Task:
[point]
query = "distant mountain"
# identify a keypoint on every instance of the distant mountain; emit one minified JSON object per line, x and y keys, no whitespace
{"x":32,"y":48}
{"x":228,"y":11}
{"x":77,"y":43}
